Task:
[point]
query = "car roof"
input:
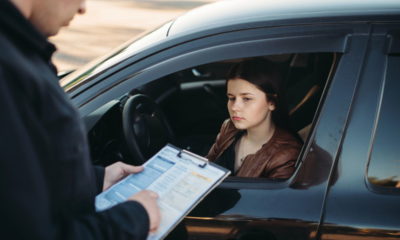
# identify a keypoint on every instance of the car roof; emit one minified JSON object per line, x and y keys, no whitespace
{"x":223,"y":13}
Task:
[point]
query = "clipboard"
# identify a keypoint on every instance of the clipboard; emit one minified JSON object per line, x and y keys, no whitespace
{"x":181,"y":178}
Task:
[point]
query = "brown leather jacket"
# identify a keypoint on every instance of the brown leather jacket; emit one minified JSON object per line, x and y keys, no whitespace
{"x":275,"y":159}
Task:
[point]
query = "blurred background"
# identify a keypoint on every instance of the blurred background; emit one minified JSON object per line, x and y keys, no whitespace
{"x":109,"y":23}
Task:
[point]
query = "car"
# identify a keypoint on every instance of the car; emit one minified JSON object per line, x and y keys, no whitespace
{"x":341,"y":62}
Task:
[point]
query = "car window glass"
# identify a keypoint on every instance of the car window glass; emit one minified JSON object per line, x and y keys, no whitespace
{"x":384,"y":166}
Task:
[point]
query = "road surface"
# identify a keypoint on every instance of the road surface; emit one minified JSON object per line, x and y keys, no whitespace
{"x":109,"y":23}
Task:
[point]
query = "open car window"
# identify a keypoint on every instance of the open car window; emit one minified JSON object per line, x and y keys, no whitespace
{"x":194,"y":99}
{"x":188,"y":83}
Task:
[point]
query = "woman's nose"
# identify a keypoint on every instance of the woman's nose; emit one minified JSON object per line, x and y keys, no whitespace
{"x":82,"y":8}
{"x":236,"y":105}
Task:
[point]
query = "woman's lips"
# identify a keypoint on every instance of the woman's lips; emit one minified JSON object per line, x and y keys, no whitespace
{"x":237,"y":118}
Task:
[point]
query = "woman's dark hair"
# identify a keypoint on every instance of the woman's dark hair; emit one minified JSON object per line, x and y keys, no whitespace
{"x":267,"y":76}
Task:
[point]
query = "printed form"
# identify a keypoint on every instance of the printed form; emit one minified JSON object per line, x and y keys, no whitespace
{"x":181,"y":180}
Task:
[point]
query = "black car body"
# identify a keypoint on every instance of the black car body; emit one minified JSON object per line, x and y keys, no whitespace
{"x":342,"y":65}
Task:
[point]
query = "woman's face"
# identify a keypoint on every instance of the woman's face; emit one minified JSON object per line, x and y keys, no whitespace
{"x":247,"y":105}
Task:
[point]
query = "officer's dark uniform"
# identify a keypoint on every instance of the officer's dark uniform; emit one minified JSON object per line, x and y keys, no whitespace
{"x":47,"y":182}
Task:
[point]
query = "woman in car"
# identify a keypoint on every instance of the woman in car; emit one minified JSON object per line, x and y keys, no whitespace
{"x":256,"y":141}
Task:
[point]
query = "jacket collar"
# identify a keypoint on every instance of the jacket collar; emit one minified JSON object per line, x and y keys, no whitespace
{"x":22,"y":32}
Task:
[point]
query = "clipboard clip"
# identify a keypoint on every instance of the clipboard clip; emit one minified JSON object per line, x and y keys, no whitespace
{"x":203,"y":160}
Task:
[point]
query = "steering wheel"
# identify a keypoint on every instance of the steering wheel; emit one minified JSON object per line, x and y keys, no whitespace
{"x":145,"y":127}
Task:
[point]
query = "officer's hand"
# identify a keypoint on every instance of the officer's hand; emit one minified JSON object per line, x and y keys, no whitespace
{"x":149,"y":201}
{"x":117,"y":171}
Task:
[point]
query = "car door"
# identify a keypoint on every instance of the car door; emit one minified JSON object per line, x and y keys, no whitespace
{"x":363,"y":202}
{"x":243,"y":208}
{"x":250,"y":208}
{"x":262,"y":209}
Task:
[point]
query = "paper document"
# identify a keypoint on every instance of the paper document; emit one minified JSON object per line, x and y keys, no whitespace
{"x":180,"y":178}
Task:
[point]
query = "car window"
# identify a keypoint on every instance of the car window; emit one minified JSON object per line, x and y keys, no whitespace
{"x":384,"y":165}
{"x":201,"y":99}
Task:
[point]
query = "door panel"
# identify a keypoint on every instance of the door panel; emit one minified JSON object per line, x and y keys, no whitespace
{"x":354,"y":207}
{"x":263,"y":209}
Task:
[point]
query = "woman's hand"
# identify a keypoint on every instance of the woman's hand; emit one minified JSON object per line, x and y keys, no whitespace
{"x":117,"y":171}
{"x":148,"y":199}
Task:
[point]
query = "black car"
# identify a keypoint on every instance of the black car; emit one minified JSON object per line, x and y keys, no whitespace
{"x":341,"y":60}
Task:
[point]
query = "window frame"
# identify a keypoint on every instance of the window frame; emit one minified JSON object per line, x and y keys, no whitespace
{"x":219,"y":47}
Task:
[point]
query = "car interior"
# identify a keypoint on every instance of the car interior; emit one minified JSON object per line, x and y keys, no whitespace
{"x":187,"y":108}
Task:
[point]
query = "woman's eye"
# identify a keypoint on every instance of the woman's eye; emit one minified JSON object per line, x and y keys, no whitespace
{"x":231,"y":99}
{"x":246,"y":99}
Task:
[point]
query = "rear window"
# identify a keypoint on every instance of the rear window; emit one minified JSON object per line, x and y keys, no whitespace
{"x":384,"y":166}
